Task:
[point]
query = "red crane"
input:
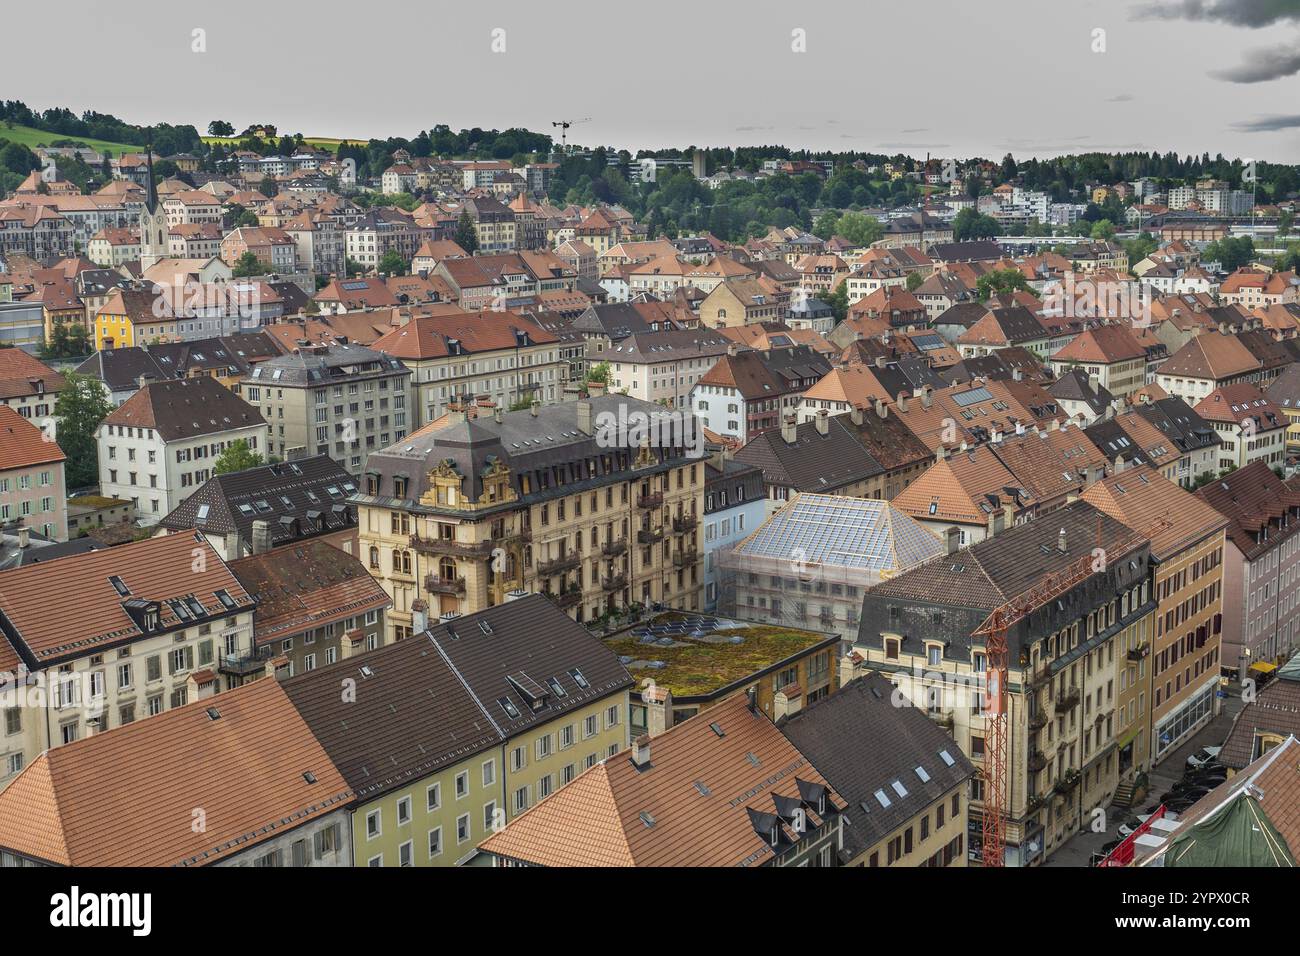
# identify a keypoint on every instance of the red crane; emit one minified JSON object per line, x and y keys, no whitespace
{"x":994,"y":631}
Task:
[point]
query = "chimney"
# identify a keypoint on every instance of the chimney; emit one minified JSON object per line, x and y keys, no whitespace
{"x":1008,"y":515}
{"x":261,"y":536}
{"x":1016,"y":375}
{"x":752,"y":696}
{"x":882,"y":410}
{"x":788,"y":429}
{"x":823,"y":421}
{"x":880,"y":361}
{"x":351,"y":643}
{"x":732,"y":349}
{"x":497,"y":415}
{"x":234,"y":546}
{"x":419,"y":616}
{"x":925,"y":397}
{"x":1060,"y":542}
{"x":534,"y":407}
{"x":280,"y":668}
{"x":901,"y":401}
{"x":584,"y":416}
{"x":24,"y":537}
{"x":1020,"y":428}
{"x":787,"y":702}
{"x":658,"y":709}
{"x":641,"y":752}
{"x":940,"y":453}
{"x":952,"y":539}
{"x":855,"y":415}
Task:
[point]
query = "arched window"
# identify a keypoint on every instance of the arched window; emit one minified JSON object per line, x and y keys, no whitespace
{"x":374,"y":557}
{"x":447,"y":569}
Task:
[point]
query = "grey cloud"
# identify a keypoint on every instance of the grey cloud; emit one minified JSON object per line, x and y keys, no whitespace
{"x":1272,"y":63}
{"x":1122,"y":98}
{"x":1239,"y":13}
{"x":1268,"y":124}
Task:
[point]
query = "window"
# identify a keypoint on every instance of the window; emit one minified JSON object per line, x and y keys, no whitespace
{"x":589,"y":727}
{"x":433,"y":797}
{"x":405,"y":854}
{"x":435,"y":842}
{"x":489,"y":773}
{"x":462,"y":828}
{"x":373,"y":824}
{"x":403,"y":811}
{"x":521,"y":800}
{"x":462,"y":784}
{"x":611,"y":717}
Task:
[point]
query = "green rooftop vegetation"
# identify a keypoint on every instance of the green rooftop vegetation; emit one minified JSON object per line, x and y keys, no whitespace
{"x":703,"y":660}
{"x":96,"y":501}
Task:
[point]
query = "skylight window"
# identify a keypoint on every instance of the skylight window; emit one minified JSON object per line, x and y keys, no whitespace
{"x":883,"y":799}
{"x":946,"y":757}
{"x":580,"y":680}
{"x":899,"y":788}
{"x":509,"y":707}
{"x":920,"y":772}
{"x":119,"y":586}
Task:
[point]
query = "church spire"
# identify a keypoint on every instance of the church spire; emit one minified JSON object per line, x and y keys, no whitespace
{"x":152,"y":201}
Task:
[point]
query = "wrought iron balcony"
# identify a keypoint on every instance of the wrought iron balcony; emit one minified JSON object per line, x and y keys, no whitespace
{"x":1037,"y":761}
{"x":244,"y":664}
{"x":652,"y":500}
{"x":650,"y":536}
{"x":1068,"y":701}
{"x":436,"y":584}
{"x":684,"y":559}
{"x":566,"y":562}
{"x":1140,"y":652}
{"x":612,"y":549}
{"x":685,"y":523}
{"x":613,"y":583}
{"x":460,"y":549}
{"x":566,"y":598}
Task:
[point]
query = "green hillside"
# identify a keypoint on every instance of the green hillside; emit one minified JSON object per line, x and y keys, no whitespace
{"x":32,"y":138}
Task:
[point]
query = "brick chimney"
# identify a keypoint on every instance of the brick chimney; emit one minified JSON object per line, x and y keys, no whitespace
{"x":823,"y":421}
{"x":788,"y":429}
{"x":658,"y":709}
{"x":261,"y":536}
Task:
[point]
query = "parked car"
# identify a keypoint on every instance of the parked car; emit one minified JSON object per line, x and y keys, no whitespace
{"x":1129,"y":826}
{"x":1203,"y":757}
{"x":1206,"y":777}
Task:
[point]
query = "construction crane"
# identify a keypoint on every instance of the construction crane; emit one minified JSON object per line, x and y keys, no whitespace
{"x":994,"y":631}
{"x":564,"y":131}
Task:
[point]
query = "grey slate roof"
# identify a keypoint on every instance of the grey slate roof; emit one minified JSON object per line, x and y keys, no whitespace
{"x":861,"y":743}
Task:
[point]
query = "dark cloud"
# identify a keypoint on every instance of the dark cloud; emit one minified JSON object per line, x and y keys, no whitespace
{"x":1268,"y":124}
{"x":1238,"y":13}
{"x":1272,"y":63}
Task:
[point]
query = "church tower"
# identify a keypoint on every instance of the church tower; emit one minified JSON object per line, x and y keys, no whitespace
{"x":153,"y":225}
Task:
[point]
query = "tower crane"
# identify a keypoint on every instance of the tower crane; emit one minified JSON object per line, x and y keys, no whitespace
{"x":994,"y":631}
{"x":564,"y":131}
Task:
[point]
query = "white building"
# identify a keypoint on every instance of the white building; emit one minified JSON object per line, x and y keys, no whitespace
{"x":161,"y":444}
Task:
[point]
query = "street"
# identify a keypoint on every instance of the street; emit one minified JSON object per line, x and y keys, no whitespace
{"x":1080,"y":848}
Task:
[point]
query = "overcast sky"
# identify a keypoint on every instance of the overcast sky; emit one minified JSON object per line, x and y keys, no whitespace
{"x":946,"y":77}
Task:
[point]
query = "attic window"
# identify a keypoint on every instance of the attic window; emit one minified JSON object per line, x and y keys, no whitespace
{"x":946,"y":757}
{"x":509,"y":707}
{"x":225,"y":599}
{"x":920,"y":772}
{"x":309,"y":776}
{"x":647,"y":819}
{"x":899,"y":788}
{"x":556,"y":687}
{"x":883,"y":799}
{"x":579,"y":679}
{"x":717,"y":729}
{"x":213,"y":713}
{"x":119,"y":586}
{"x":366,"y":671}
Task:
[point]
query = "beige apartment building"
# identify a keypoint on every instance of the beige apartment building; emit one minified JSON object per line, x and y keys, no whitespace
{"x":32,"y":490}
{"x":148,"y":627}
{"x":341,"y":400}
{"x":455,"y":359}
{"x":557,"y":499}
{"x":662,"y":367}
{"x":1062,"y":755}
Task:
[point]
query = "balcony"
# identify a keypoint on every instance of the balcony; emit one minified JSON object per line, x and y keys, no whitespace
{"x":242,"y":665}
{"x":650,"y":501}
{"x":1068,"y":782}
{"x":685,"y":523}
{"x":566,"y":599}
{"x":684,"y":559}
{"x":513,"y":538}
{"x":566,"y":562}
{"x":459,"y":549}
{"x":943,"y":718}
{"x":1068,"y":701}
{"x":650,"y":536}
{"x":612,"y":549}
{"x":1037,"y":761}
{"x":435,"y":584}
{"x":1140,"y":652}
{"x":613,"y":582}
{"x":1038,"y":721}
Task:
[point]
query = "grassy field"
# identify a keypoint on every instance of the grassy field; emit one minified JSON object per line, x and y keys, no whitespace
{"x":324,"y":142}
{"x":32,"y":138}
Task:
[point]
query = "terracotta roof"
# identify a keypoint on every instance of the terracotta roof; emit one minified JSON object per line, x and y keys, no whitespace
{"x":1210,"y":355}
{"x":1234,"y":404}
{"x":1143,"y":499}
{"x":94,"y":615}
{"x":617,"y":814}
{"x":1276,"y":710}
{"x":127,"y":797}
{"x":1105,"y":344}
{"x":22,"y":444}
{"x":1254,"y":499}
{"x":430,"y":337}
{"x":305,"y":585}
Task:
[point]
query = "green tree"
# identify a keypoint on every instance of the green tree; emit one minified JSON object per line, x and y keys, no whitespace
{"x":860,"y":229}
{"x":237,"y":457}
{"x":393,"y":264}
{"x":970,"y":224}
{"x":466,"y":234}
{"x":914,"y":280}
{"x":827,"y":224}
{"x":247,"y":265}
{"x":999,"y":282}
{"x":838,"y":300}
{"x":220,"y":128}
{"x":598,"y":373}
{"x":80,"y":407}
